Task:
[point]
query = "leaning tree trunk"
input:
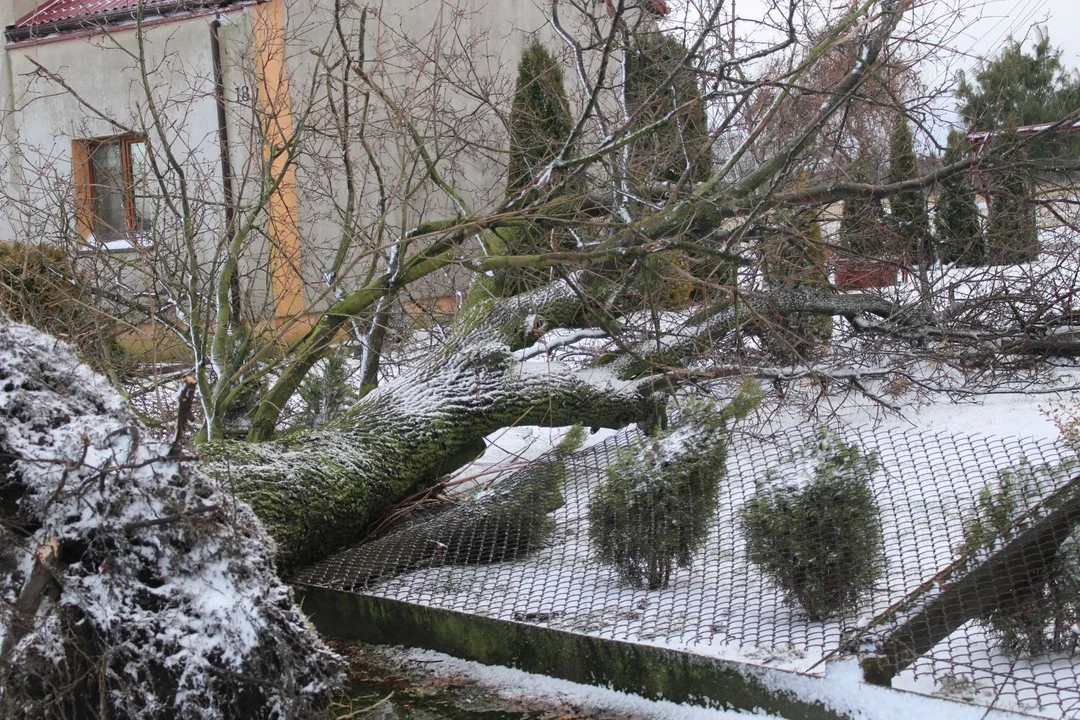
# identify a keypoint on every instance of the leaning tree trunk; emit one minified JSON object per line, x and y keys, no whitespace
{"x":133,"y":585}
{"x":320,"y":490}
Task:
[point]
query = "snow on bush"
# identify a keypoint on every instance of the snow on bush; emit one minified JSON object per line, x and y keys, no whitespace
{"x":132,"y":585}
{"x":1036,"y":617}
{"x":654,"y":510}
{"x":814,"y":528}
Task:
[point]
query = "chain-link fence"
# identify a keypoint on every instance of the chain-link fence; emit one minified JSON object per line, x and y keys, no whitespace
{"x":818,"y":544}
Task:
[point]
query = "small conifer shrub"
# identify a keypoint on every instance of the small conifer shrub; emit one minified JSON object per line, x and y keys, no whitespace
{"x":540,"y":120}
{"x":325,"y":393}
{"x":813,"y":527}
{"x":655,"y":508}
{"x":1036,"y":616}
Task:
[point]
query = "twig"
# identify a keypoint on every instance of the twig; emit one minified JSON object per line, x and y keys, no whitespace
{"x":183,"y":413}
{"x":367,"y":709}
{"x":170,"y":518}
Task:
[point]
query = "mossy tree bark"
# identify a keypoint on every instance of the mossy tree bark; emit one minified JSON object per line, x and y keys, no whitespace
{"x":319,"y":490}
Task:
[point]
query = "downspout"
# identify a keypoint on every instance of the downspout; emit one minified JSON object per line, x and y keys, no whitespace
{"x":226,"y":165}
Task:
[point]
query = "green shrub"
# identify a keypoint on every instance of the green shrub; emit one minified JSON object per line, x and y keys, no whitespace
{"x":654,"y":510}
{"x":813,"y":527}
{"x":683,"y":144}
{"x":325,"y":393}
{"x":540,"y":121}
{"x":1036,"y":616}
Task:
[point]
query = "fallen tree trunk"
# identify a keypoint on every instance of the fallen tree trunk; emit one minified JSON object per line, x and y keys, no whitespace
{"x":318,"y":491}
{"x":137,"y":587}
{"x":970,"y":588}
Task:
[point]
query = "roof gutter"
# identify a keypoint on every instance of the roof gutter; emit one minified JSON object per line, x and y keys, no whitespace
{"x":99,"y":22}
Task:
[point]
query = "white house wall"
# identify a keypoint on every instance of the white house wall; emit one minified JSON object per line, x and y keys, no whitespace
{"x":107,"y":98}
{"x":430,"y":56}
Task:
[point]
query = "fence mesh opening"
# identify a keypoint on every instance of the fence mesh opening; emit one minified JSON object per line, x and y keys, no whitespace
{"x":952,"y":514}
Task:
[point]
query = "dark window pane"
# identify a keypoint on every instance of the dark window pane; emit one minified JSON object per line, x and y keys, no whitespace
{"x":141,"y":186}
{"x":108,"y":169}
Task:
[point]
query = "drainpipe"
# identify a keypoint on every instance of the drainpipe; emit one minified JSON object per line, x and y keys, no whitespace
{"x":226,"y":165}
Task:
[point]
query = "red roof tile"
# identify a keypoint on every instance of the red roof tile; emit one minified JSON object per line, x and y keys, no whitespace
{"x":62,"y":11}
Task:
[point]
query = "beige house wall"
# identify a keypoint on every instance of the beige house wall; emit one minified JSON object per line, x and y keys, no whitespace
{"x":429,"y":58}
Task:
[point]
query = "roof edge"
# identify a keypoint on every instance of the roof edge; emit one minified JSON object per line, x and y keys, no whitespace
{"x":22,"y":34}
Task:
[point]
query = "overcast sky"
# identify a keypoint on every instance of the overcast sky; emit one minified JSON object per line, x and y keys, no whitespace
{"x":971,"y":29}
{"x":998,"y":19}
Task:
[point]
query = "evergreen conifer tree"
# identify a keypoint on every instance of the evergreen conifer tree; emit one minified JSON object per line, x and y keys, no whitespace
{"x":682,"y":145}
{"x":1023,"y":88}
{"x":540,"y":121}
{"x":911,"y":221}
{"x":540,"y":125}
{"x":959,"y":231}
{"x":859,"y":227}
{"x":1012,"y":233}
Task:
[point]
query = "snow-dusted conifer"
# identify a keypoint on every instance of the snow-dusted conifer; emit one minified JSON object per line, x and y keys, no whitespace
{"x":655,"y":508}
{"x":814,"y":529}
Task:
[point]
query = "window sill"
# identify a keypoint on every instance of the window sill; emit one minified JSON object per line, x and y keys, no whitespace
{"x":121,"y":245}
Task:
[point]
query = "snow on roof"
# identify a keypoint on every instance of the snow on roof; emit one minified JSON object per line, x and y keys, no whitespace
{"x":1022,"y":130}
{"x":60,"y":18}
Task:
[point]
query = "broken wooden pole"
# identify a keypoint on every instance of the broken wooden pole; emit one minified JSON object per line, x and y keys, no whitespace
{"x":971,"y":587}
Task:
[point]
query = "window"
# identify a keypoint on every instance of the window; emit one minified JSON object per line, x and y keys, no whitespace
{"x":111,"y":182}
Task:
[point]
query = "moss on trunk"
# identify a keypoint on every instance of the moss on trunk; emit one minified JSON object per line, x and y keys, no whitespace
{"x":319,"y":490}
